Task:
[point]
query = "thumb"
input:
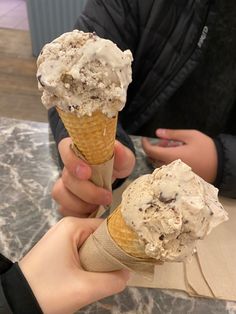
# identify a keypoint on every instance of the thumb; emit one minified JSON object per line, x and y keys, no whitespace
{"x":124,"y":161}
{"x":170,"y":134}
{"x":101,"y":285}
{"x":76,"y":166}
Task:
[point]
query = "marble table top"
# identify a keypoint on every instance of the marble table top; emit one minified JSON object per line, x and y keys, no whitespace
{"x":28,"y":170}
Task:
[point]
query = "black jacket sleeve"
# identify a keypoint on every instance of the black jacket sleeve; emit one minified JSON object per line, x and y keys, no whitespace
{"x":226,"y":178}
{"x":16,"y":296}
{"x":58,"y":130}
{"x":111,"y":20}
{"x":5,"y":265}
{"x":122,"y":137}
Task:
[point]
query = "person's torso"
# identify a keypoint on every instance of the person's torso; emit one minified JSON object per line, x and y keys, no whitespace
{"x":205,"y":99}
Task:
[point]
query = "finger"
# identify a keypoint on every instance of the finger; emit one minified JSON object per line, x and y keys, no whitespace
{"x":75,"y":223}
{"x":101,"y":285}
{"x":86,"y":190}
{"x":124,"y":161}
{"x":163,"y":154}
{"x":73,"y":231}
{"x":75,"y":165}
{"x":151,"y":150}
{"x":86,"y":227}
{"x":80,"y":228}
{"x":69,"y":203}
{"x":178,"y":135}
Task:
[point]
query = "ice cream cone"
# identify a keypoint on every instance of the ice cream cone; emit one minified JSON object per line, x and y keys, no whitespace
{"x":161,"y":217}
{"x":124,"y":236}
{"x":93,"y":136}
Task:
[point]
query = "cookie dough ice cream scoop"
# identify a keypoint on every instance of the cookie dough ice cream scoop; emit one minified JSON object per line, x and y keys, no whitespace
{"x":82,"y":73}
{"x":86,"y":78}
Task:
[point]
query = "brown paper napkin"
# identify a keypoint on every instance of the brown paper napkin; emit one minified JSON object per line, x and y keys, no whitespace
{"x":211,"y":272}
{"x":196,"y":283}
{"x":101,"y":176}
{"x":217,"y":258}
{"x":102,"y":173}
{"x":101,"y":253}
{"x":161,"y":279}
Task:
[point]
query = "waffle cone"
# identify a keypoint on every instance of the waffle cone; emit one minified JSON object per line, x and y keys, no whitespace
{"x":124,"y":236}
{"x":93,"y":136}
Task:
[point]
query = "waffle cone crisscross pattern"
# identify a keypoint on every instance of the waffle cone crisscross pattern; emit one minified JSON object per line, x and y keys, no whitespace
{"x":93,"y":136}
{"x":124,"y":236}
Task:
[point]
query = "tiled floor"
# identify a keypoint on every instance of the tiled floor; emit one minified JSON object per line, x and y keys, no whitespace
{"x":13,"y":14}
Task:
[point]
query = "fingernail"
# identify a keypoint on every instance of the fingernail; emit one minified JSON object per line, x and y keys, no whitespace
{"x":161,"y":132}
{"x":81,"y":172}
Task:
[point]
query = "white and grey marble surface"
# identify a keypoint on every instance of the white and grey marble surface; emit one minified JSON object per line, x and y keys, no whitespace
{"x":28,"y":170}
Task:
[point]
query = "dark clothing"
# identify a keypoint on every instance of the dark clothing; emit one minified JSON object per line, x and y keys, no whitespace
{"x":16,"y":296}
{"x":184,"y":69}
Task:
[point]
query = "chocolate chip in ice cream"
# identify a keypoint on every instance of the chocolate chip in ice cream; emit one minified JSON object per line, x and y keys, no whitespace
{"x":166,"y":199}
